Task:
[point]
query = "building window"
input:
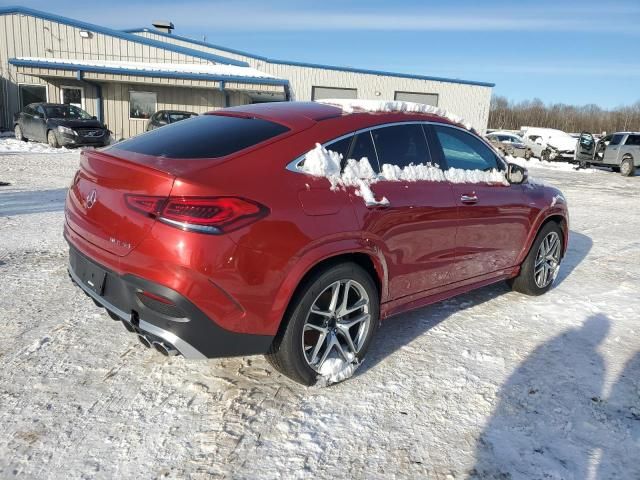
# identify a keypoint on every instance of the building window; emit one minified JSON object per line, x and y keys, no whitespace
{"x":318,"y":93}
{"x":32,"y":94}
{"x":71,"y":96}
{"x":142,"y":104}
{"x":417,"y":97}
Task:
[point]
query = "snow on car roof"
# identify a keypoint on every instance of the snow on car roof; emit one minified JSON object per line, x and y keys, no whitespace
{"x":353,"y":106}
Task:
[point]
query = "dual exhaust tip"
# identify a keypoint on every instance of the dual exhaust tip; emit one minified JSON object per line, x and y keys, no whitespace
{"x":162,"y":347}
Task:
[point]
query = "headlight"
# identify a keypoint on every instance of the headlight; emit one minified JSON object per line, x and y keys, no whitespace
{"x":66,"y":130}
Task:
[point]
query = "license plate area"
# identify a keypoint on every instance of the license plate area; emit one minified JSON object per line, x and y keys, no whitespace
{"x":91,"y":275}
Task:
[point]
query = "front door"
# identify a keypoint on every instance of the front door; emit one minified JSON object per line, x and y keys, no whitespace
{"x":39,"y":125}
{"x":415,"y":228}
{"x":71,"y":96}
{"x":493,"y":217}
{"x":611,"y":153}
{"x":586,"y":148}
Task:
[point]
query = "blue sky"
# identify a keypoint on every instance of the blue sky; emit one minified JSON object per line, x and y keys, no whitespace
{"x":571,"y":52}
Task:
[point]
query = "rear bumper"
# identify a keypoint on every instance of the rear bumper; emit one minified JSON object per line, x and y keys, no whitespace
{"x":183,"y":326}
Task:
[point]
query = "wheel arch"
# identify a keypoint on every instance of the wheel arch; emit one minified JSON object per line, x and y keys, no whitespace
{"x":373,"y":265}
{"x":556,"y":216}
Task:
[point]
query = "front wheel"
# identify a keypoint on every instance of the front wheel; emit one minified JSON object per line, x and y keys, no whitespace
{"x":545,"y":156}
{"x":627,"y":168}
{"x":17,"y":131}
{"x":52,"y":140}
{"x":329,"y":326}
{"x":542,"y":264}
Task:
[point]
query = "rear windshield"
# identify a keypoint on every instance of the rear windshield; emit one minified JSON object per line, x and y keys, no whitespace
{"x":206,"y":136}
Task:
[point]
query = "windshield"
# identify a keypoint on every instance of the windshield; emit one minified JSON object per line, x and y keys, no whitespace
{"x":67,"y":112}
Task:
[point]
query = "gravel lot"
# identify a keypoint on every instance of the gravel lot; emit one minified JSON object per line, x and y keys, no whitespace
{"x":492,"y":384}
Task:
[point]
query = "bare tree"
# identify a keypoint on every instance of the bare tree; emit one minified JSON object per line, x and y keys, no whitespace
{"x":508,"y":115}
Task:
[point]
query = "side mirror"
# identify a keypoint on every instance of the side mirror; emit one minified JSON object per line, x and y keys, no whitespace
{"x":516,"y":174}
{"x":163,"y":122}
{"x":94,"y":118}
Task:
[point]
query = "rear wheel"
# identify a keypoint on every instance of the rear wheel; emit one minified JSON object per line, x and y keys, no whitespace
{"x":527,"y":154}
{"x":328,"y":327}
{"x":540,"y":267}
{"x":545,"y":155}
{"x":17,"y":131}
{"x":52,"y":140}
{"x":627,"y":168}
{"x":584,"y":164}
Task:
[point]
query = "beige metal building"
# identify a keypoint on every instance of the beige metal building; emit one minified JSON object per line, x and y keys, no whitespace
{"x":123,"y":77}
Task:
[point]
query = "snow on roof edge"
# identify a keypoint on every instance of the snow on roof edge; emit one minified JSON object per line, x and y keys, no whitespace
{"x":353,"y":106}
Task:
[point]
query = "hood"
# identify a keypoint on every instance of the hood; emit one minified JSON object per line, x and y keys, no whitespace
{"x":562,"y":143}
{"x":75,"y":123}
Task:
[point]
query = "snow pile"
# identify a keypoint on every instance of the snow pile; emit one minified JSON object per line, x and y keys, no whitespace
{"x":336,"y":369}
{"x":192,"y":68}
{"x":351,"y":106}
{"x":11,"y":145}
{"x":321,"y":162}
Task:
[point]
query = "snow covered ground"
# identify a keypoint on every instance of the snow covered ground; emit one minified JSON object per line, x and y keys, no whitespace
{"x":492,"y":384}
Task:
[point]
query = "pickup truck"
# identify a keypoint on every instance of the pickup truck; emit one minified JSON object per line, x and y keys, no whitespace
{"x":620,"y":151}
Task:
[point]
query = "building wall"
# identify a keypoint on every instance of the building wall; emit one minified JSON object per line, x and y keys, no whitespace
{"x":28,"y":36}
{"x":468,"y":101}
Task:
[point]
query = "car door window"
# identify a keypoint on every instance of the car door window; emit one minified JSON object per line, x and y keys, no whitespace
{"x":342,"y":147}
{"x":616,"y":139}
{"x":363,"y":147}
{"x":401,"y":145}
{"x":633,"y":140}
{"x":463,"y":150}
{"x":40,"y":111}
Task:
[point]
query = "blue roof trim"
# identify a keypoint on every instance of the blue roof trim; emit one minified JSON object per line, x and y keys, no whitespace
{"x":121,"y":34}
{"x":311,"y":65}
{"x":146,"y":73}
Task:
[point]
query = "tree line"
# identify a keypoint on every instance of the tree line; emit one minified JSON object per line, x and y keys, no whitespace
{"x":508,"y":115}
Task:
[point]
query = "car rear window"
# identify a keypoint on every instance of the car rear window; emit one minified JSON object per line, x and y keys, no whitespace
{"x":206,"y":136}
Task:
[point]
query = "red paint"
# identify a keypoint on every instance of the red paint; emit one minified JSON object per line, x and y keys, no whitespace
{"x":428,"y":245}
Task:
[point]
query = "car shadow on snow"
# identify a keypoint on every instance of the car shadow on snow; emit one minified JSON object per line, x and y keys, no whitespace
{"x":33,"y":201}
{"x":399,"y":331}
{"x":552,"y":419}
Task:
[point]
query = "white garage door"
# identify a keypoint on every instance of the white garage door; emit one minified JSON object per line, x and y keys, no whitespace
{"x":427,"y":98}
{"x":318,"y":93}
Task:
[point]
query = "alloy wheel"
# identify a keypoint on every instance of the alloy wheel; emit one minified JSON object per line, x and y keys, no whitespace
{"x":547,"y":260}
{"x":337,"y":324}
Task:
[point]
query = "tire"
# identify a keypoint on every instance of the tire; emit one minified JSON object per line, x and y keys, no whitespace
{"x":52,"y":140}
{"x":288,"y":353}
{"x":527,"y":155}
{"x":627,"y":168}
{"x":526,"y":281}
{"x":584,"y":164}
{"x":544,"y":156}
{"x":17,"y":131}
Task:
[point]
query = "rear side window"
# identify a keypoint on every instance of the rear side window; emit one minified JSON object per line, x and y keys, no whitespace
{"x":206,"y":136}
{"x":363,"y":147}
{"x":463,"y":150}
{"x":633,"y":140}
{"x":342,"y":147}
{"x":616,"y":139}
{"x":401,"y":145}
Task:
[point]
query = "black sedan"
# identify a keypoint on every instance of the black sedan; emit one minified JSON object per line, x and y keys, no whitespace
{"x":60,"y":125}
{"x":165,"y":117}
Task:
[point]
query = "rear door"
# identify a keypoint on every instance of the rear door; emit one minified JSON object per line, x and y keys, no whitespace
{"x":416,"y":229}
{"x":26,"y":121}
{"x":493,"y":218}
{"x":586,"y":148}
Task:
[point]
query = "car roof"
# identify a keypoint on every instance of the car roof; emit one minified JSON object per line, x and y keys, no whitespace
{"x":301,"y":115}
{"x":178,"y":111}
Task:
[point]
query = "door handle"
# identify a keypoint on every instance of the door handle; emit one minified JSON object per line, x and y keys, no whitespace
{"x":469,"y":199}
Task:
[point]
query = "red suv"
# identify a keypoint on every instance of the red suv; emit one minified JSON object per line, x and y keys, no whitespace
{"x":208,"y":238}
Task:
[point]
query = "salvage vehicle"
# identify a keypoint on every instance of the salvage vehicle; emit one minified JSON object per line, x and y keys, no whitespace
{"x":60,"y":125}
{"x":510,"y":144}
{"x":619,"y":151}
{"x":549,"y":144}
{"x":167,"y":117}
{"x":223,"y":235}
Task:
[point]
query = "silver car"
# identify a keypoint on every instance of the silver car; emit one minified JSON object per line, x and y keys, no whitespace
{"x":620,"y":151}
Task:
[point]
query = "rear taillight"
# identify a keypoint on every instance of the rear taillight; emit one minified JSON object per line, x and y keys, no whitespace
{"x":200,"y":214}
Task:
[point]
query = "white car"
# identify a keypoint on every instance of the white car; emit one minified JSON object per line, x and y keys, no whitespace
{"x":549,"y":144}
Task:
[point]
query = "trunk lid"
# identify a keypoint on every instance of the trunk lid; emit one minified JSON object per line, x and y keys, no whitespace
{"x":96,"y":204}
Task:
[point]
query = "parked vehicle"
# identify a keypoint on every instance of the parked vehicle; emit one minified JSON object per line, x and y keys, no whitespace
{"x":208,"y":239}
{"x":620,"y":151}
{"x":167,"y":117}
{"x":60,"y":125}
{"x":510,"y":144}
{"x":549,"y":144}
